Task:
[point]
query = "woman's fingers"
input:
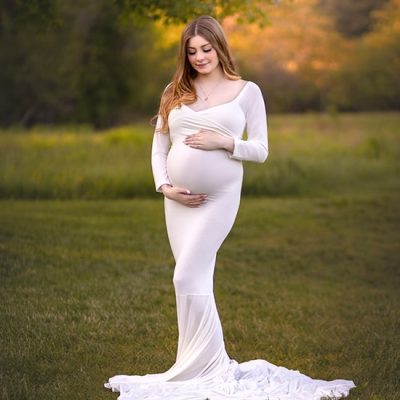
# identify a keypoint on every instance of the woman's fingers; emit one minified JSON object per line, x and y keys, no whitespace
{"x":193,"y":138}
{"x":204,"y":140}
{"x":184,"y":196}
{"x":193,"y":200}
{"x":190,"y":200}
{"x":192,"y":141}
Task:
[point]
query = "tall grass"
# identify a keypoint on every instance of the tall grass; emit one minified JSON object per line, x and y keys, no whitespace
{"x":309,"y":155}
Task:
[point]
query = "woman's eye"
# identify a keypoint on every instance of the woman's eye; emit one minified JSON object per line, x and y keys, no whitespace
{"x":207,"y":50}
{"x":191,"y":54}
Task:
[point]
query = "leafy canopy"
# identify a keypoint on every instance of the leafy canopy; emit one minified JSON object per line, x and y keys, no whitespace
{"x":44,"y":14}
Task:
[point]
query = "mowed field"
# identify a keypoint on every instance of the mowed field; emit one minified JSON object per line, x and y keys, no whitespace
{"x":308,"y":278}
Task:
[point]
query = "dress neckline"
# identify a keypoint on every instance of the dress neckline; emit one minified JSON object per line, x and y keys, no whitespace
{"x":222,"y":104}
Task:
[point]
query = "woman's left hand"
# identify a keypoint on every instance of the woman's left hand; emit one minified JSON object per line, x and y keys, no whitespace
{"x":209,"y":140}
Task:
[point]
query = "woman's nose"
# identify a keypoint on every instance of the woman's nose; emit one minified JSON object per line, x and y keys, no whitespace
{"x":199,"y":56}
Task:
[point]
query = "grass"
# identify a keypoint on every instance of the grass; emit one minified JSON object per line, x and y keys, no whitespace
{"x":310,"y":155}
{"x":86,"y":292}
{"x":308,"y":278}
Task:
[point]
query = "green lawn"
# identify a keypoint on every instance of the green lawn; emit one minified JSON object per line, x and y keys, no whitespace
{"x":308,"y":279}
{"x":86,"y":292}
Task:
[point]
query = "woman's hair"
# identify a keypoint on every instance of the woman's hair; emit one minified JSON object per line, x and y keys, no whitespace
{"x":181,"y":89}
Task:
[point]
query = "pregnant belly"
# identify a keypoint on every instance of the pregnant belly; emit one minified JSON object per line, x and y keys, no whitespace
{"x":203,"y":171}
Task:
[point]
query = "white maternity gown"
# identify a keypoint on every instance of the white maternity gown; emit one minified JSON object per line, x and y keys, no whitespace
{"x":203,"y":369}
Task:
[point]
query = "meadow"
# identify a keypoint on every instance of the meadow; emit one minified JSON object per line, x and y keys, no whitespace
{"x":307,"y":279}
{"x":314,"y":154}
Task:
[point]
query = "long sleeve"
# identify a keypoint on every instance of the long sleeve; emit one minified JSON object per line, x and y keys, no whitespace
{"x":255,"y":148}
{"x":159,"y":153}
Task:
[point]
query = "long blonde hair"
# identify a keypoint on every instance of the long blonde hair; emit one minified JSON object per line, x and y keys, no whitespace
{"x":181,"y":89}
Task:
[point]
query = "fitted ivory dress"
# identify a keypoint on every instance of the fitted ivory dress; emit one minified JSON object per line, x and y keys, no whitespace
{"x":203,"y":370}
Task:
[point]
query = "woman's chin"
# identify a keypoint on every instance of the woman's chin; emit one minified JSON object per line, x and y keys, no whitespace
{"x":203,"y":71}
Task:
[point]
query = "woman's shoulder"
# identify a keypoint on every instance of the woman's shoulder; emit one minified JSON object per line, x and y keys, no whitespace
{"x":250,"y":85}
{"x":250,"y":89}
{"x":243,"y":87}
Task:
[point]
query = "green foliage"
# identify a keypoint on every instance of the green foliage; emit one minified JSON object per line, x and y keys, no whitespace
{"x":309,"y":155}
{"x":93,"y":62}
{"x":44,"y":13}
{"x":37,"y":14}
{"x":91,"y":69}
{"x":106,"y":63}
{"x":101,"y":82}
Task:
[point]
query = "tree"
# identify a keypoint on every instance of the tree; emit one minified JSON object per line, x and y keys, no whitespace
{"x":293,"y":58}
{"x":40,"y":14}
{"x":352,"y":18}
{"x":369,"y":78}
{"x":45,"y":14}
{"x":92,"y":61}
{"x":83,"y":70}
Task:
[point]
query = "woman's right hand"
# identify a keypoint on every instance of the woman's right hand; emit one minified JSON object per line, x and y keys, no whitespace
{"x":183,"y":196}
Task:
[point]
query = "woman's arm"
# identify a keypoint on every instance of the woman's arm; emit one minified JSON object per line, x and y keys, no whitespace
{"x":255,"y":148}
{"x":159,"y":153}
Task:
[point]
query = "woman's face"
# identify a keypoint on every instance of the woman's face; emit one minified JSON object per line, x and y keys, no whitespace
{"x":202,"y":55}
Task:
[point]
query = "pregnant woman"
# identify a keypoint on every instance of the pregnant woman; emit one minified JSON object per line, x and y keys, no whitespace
{"x":197,"y":154}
